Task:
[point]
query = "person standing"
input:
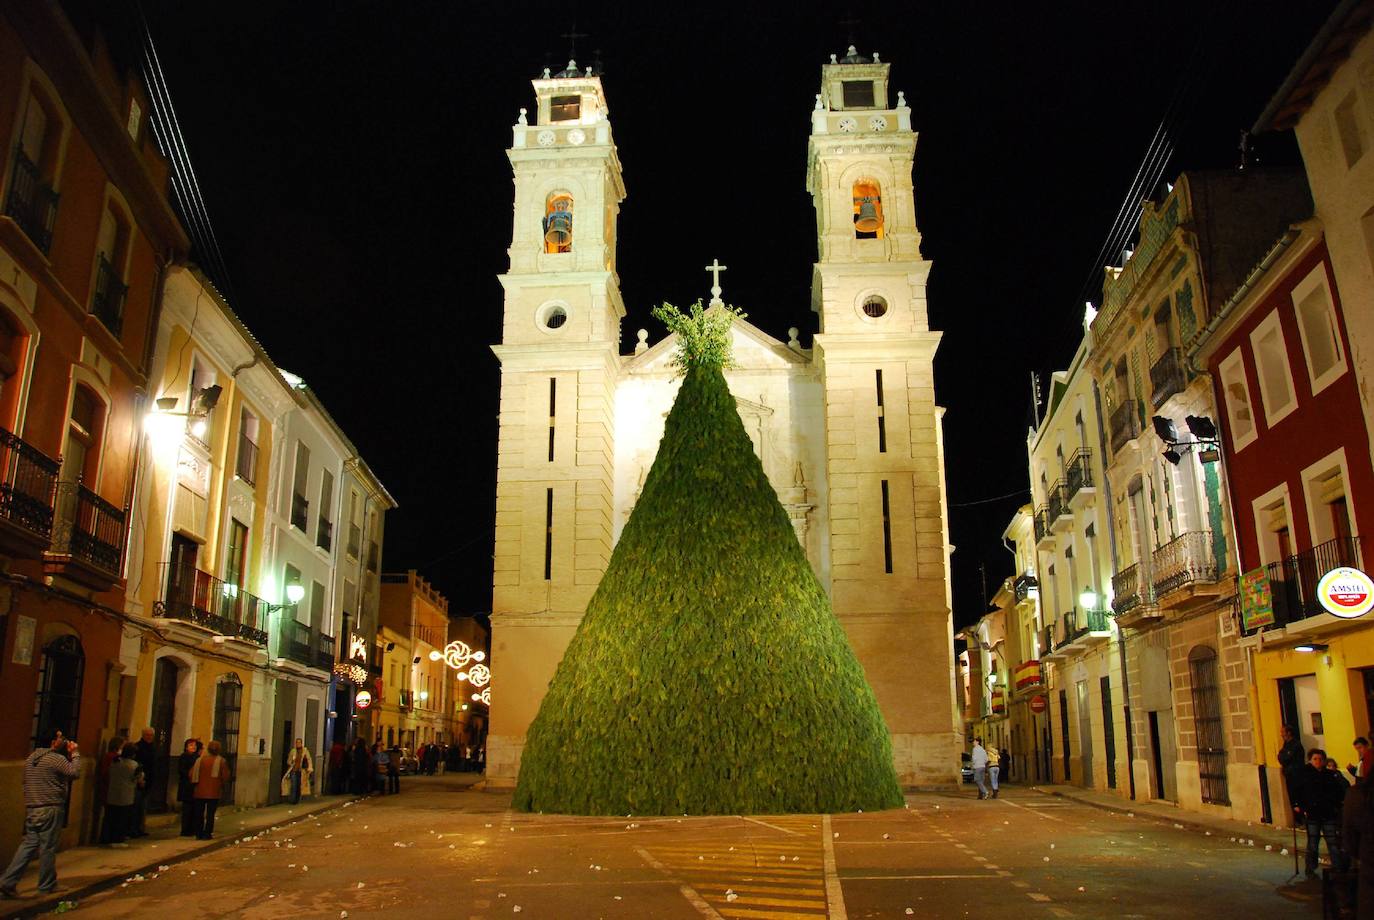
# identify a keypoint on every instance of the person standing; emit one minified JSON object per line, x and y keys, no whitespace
{"x":363,"y":770}
{"x":338,"y":754}
{"x":1005,"y":762}
{"x":1320,"y":799}
{"x":186,"y":790}
{"x":393,"y":772}
{"x":979,"y":762}
{"x":1291,"y":762}
{"x":300,"y":770}
{"x":147,"y":759}
{"x":209,"y":774}
{"x":1364,"y":760}
{"x":381,"y":762}
{"x":105,"y":821}
{"x":48,"y":773}
{"x":126,"y":776}
{"x":994,"y":768}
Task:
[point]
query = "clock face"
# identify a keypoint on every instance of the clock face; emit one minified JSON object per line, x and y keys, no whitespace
{"x":877,"y":123}
{"x":546,"y":138}
{"x":576,"y":136}
{"x":848,"y":125}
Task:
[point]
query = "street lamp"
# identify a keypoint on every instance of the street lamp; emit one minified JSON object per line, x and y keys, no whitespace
{"x":1088,"y":599}
{"x":295,"y":593}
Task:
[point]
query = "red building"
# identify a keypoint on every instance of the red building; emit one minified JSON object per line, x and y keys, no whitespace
{"x":85,"y":234}
{"x":1302,"y":486}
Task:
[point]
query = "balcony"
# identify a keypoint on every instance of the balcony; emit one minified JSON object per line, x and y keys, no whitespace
{"x":1052,"y":643}
{"x":1134,"y":596}
{"x":1185,"y":572}
{"x":355,"y":541}
{"x":28,"y":480}
{"x":222,"y":607}
{"x":1027,"y":676}
{"x":1060,"y":514}
{"x":1167,"y":377}
{"x":293,"y":641}
{"x":246,"y":464}
{"x":31,"y":202}
{"x":1124,"y":423}
{"x":1078,"y":479}
{"x":1293,"y":581}
{"x":107,"y":304}
{"x":1023,"y":585}
{"x":1044,"y":537}
{"x":88,"y":537}
{"x":300,"y":512}
{"x":324,"y":652}
{"x":1085,"y":628}
{"x":324,"y":535}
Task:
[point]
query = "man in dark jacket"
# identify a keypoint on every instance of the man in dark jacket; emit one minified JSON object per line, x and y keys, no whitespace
{"x":1319,"y":801}
{"x":147,"y":759}
{"x":1291,"y":761}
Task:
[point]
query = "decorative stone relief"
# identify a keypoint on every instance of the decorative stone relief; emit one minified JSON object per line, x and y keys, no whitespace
{"x":794,"y":500}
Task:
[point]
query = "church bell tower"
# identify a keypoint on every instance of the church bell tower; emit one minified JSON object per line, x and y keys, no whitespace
{"x":559,"y":358}
{"x":889,"y":542}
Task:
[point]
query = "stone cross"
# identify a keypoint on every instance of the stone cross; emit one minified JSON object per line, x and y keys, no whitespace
{"x":715,"y":268}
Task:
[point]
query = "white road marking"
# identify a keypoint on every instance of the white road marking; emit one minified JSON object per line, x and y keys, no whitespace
{"x":1033,"y":811}
{"x":773,"y":826}
{"x":1037,"y":896}
{"x":834,"y":893}
{"x":688,"y":892}
{"x":1021,"y":884}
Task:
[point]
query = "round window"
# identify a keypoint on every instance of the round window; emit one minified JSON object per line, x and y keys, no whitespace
{"x":553,"y":316}
{"x":874,"y":307}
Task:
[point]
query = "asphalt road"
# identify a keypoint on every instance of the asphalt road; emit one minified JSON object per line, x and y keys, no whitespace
{"x":443,"y":851}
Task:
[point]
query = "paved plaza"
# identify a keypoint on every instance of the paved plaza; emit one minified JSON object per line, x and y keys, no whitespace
{"x":444,"y":850}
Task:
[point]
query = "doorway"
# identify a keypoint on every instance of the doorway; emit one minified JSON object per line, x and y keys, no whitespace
{"x":162,"y":722}
{"x":1085,"y":733}
{"x":1064,"y":729}
{"x":228,"y":708}
{"x":1165,"y":754}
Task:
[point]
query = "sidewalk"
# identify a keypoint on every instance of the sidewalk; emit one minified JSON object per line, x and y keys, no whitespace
{"x":1225,"y":829}
{"x":82,"y":871}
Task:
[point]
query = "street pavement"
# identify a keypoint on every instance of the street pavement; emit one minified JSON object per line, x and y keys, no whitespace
{"x":444,"y":850}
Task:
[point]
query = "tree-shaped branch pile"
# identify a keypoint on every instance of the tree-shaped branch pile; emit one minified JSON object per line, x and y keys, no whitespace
{"x":709,"y":675}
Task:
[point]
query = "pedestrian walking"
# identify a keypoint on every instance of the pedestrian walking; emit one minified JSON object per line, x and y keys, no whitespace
{"x":186,"y":789}
{"x":1321,"y":796}
{"x":126,"y":776}
{"x":994,"y":767}
{"x":209,"y":774}
{"x":48,"y":773}
{"x":363,"y":771}
{"x":300,"y":771}
{"x":979,"y":762}
{"x":338,"y":754}
{"x":1291,"y":762}
{"x":147,"y":759}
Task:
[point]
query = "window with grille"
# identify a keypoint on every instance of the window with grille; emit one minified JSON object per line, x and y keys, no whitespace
{"x":228,"y":707}
{"x":1211,"y":733}
{"x":57,"y":706}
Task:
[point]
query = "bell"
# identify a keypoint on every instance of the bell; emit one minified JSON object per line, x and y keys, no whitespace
{"x":866,"y":221}
{"x":558,"y":228}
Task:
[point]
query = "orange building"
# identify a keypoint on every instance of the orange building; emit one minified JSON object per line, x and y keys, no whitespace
{"x":86,"y":233}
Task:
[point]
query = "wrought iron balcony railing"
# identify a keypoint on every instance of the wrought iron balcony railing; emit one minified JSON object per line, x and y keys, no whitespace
{"x":324,"y":652}
{"x":1047,"y":643}
{"x":1187,"y":559}
{"x":1058,"y":503}
{"x":1167,"y":376}
{"x":1042,"y":523}
{"x":1124,"y":424}
{"x":88,"y":528}
{"x":246,"y":464}
{"x":1131,"y":588}
{"x":31,"y":201}
{"x":293,"y":641}
{"x":300,"y":512}
{"x":1078,"y":474}
{"x":1293,"y":581}
{"x":198,"y":597}
{"x":28,"y":480}
{"x":107,"y":303}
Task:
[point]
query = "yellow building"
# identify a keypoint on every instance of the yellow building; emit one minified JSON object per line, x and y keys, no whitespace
{"x":195,"y":653}
{"x":414,"y":617}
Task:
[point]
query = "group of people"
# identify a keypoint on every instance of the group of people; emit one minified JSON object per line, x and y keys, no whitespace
{"x":1326,"y":805}
{"x":987,"y":763}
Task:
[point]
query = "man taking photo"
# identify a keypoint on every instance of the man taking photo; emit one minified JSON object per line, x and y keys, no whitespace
{"x":47,"y":774}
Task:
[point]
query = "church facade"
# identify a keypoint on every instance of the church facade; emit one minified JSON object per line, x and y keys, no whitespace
{"x":848,"y":430}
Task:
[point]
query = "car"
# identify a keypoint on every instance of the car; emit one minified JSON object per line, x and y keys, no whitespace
{"x":966,"y":766}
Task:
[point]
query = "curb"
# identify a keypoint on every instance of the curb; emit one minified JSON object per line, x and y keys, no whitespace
{"x":49,"y":904}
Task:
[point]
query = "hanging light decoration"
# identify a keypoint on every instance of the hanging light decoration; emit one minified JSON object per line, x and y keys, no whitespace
{"x":457,"y":654}
{"x":479,"y":675}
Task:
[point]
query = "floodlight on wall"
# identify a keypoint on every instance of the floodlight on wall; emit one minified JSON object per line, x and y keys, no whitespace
{"x":1310,"y":647}
{"x":1165,"y":428}
{"x":207,"y":398}
{"x":166,"y":403}
{"x":1173,"y":456}
{"x":1202,"y":428}
{"x":1204,"y":435}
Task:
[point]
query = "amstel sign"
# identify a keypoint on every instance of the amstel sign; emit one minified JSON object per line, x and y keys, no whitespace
{"x":1346,"y":592}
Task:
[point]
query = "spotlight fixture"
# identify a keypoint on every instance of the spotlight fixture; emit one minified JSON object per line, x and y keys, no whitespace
{"x":208,"y":397}
{"x":1173,"y":456}
{"x":1165,"y":428}
{"x":1201,"y":427}
{"x":1204,"y":434}
{"x":166,"y":403}
{"x":1310,"y":647}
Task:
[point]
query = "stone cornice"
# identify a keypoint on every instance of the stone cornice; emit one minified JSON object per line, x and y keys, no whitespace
{"x":558,"y":356}
{"x":907,"y":346}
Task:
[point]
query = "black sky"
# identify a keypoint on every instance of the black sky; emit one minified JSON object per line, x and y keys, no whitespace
{"x":352,"y":157}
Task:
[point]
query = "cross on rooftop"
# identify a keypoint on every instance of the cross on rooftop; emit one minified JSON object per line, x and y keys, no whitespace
{"x":715,"y":268}
{"x":572,"y":38}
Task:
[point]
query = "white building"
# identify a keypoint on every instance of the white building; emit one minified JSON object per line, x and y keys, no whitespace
{"x":848,"y":431}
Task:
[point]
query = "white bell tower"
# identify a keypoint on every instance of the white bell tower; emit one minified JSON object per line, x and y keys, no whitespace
{"x":559,"y":357}
{"x":889,"y":542}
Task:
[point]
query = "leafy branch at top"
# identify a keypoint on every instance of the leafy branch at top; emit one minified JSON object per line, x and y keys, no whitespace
{"x":703,"y":336}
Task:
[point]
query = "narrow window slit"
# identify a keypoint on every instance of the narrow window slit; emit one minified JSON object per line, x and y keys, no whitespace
{"x":882,"y":420}
{"x":548,"y":534}
{"x":887,"y":531}
{"x":553,"y":395}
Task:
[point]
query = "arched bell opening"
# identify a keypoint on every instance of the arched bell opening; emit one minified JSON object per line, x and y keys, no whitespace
{"x":558,"y":223}
{"x":868,"y":210}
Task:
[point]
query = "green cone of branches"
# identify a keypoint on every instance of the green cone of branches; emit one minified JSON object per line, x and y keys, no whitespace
{"x":709,"y":675}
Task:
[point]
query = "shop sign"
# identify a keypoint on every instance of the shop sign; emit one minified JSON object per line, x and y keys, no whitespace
{"x":1346,"y":592}
{"x":1039,"y":703}
{"x":363,"y":699}
{"x":357,"y":646}
{"x":1256,"y":599}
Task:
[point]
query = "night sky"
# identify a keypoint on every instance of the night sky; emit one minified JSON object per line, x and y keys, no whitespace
{"x":352,"y":159}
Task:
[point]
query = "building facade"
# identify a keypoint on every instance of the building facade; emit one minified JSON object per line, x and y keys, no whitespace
{"x":1080,"y":642}
{"x":425,"y":688}
{"x":86,"y":235}
{"x":1174,"y":582}
{"x":1027,"y":686}
{"x":848,"y":431}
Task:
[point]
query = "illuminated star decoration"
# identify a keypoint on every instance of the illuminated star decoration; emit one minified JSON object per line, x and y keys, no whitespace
{"x":457,"y":654}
